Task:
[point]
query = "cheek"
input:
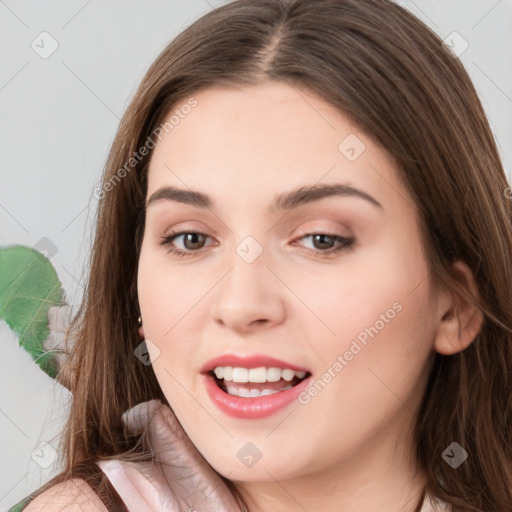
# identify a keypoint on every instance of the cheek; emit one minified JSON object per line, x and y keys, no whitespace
{"x":353,"y":295}
{"x":161,"y":297}
{"x":379,"y":310}
{"x":336,"y":304}
{"x":172,"y":306}
{"x":161,"y":291}
{"x":390,"y":316}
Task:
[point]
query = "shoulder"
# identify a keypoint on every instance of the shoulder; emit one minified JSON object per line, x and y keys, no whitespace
{"x":74,"y":495}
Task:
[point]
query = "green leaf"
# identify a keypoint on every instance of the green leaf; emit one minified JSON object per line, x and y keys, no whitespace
{"x":18,"y":507}
{"x":29,"y":286}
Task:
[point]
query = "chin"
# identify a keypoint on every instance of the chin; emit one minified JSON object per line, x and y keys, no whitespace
{"x":266,"y":469}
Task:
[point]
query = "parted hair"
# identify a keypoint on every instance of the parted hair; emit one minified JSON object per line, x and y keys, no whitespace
{"x":392,"y":76}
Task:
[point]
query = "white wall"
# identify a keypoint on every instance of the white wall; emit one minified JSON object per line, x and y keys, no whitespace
{"x":58,"y":117}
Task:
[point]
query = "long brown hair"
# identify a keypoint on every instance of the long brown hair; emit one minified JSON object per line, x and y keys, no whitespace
{"x":391,"y":76}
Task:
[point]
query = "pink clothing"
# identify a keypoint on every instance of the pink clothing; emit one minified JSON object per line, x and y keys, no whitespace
{"x":432,"y":504}
{"x":143,"y":486}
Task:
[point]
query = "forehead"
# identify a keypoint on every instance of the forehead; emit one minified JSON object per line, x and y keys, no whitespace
{"x":272,"y":112}
{"x":266,"y":137}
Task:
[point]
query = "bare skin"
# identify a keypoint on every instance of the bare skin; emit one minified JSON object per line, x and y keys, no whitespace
{"x":350,"y":447}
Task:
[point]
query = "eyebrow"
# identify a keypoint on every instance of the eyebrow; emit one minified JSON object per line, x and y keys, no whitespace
{"x":285,"y":201}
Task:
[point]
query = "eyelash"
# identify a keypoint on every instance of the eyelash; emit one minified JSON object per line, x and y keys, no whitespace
{"x":345,"y":243}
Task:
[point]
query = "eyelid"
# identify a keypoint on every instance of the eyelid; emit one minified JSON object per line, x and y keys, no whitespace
{"x":338,"y":230}
{"x":173,"y":235}
{"x":345,"y":243}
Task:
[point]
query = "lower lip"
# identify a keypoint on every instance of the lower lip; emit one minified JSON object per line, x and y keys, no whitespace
{"x":255,"y":407}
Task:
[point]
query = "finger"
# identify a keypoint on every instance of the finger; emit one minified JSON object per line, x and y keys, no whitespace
{"x":171,"y":443}
{"x":182,"y":462}
{"x":168,"y":441}
{"x":135,"y":490}
{"x":142,"y":487}
{"x":138,"y":418}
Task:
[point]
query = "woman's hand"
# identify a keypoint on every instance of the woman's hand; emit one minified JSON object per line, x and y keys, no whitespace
{"x":179,"y":480}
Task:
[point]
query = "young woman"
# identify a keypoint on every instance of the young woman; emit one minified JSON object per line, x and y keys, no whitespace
{"x":305,"y":206}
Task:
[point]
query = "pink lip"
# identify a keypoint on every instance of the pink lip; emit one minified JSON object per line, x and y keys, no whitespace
{"x":253,"y":361}
{"x":252,"y":408}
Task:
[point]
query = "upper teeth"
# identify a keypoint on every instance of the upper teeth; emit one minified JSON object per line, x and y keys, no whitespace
{"x":260,"y":374}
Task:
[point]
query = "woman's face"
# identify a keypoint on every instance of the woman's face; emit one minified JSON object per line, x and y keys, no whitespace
{"x":335,"y":285}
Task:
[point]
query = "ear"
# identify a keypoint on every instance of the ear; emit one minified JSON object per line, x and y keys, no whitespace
{"x":460,"y":320}
{"x":141,"y":332}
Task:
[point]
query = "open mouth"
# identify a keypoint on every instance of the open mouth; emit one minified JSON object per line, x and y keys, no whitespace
{"x":250,"y":389}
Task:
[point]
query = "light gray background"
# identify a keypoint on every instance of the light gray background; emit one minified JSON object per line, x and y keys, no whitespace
{"x":58,"y":117}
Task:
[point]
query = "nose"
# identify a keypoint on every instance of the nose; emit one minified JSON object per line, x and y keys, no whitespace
{"x":249,"y":297}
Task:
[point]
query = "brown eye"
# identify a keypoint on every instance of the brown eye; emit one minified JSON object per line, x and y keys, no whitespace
{"x":192,"y":242}
{"x":328,"y":244}
{"x":323,"y":241}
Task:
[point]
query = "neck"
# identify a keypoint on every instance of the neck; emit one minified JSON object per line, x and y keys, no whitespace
{"x":378,"y":477}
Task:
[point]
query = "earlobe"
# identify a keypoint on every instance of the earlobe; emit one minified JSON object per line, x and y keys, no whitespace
{"x":140,"y":329}
{"x":460,"y":318}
